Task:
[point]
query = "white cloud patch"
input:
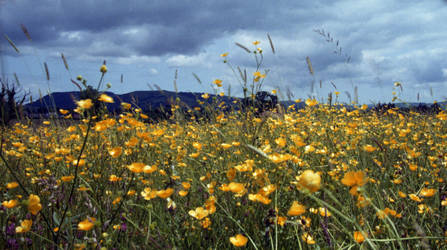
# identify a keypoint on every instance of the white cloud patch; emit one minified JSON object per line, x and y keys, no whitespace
{"x":188,"y":61}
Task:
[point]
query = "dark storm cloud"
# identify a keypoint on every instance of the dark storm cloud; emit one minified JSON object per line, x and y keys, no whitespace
{"x":162,"y":27}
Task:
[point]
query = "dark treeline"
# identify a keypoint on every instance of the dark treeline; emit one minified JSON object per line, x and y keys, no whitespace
{"x":422,"y":108}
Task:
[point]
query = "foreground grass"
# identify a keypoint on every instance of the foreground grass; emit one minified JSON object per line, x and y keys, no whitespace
{"x":321,"y":176}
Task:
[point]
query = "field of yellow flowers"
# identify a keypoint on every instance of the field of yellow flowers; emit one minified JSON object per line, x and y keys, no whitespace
{"x":327,"y":176}
{"x":322,"y":176}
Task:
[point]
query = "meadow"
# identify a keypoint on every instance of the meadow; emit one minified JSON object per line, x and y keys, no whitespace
{"x":323,"y":177}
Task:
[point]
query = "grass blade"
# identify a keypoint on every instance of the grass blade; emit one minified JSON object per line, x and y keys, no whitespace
{"x":12,"y":43}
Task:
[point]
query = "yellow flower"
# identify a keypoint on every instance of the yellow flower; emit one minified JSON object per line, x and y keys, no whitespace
{"x":87,"y":224}
{"x":150,"y":169}
{"x":281,"y":142}
{"x":67,"y":178}
{"x":115,"y":152}
{"x":199,"y":213}
{"x":309,"y":180}
{"x":34,"y":205}
{"x":148,"y":193}
{"x":12,"y":185}
{"x":165,"y":193}
{"x":24,"y":227}
{"x":309,"y":149}
{"x":358,"y":236}
{"x":238,"y":240}
{"x":114,"y":178}
{"x":136,"y":167}
{"x":354,"y":180}
{"x":218,"y":82}
{"x":183,"y":193}
{"x":85,"y":104}
{"x":311,"y":102}
{"x":63,"y":111}
{"x":415,"y":198}
{"x":369,"y":148}
{"x":106,"y":98}
{"x":256,"y":42}
{"x":205,"y":96}
{"x":281,"y":220}
{"x":427,"y":192}
{"x":116,"y":200}
{"x":308,"y":238}
{"x":231,"y":173}
{"x":296,"y":209}
{"x":226,"y":145}
{"x":236,"y":187}
{"x":186,"y":185}
{"x":324,"y":212}
{"x":126,"y":105}
{"x":10,"y":203}
{"x":103,"y":69}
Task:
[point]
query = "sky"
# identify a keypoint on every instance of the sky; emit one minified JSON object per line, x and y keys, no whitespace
{"x":351,"y":44}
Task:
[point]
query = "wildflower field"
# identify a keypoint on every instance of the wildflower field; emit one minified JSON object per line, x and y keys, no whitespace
{"x":326,"y":176}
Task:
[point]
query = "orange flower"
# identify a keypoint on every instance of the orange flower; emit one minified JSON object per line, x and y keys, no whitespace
{"x":415,"y":198}
{"x":309,"y":180}
{"x":369,"y":148}
{"x":311,"y":102}
{"x":427,"y":192}
{"x":218,"y":82}
{"x":63,"y":111}
{"x":296,"y":209}
{"x":183,"y":193}
{"x":105,"y":98}
{"x":12,"y":185}
{"x":236,"y":187}
{"x":34,"y":205}
{"x":24,"y":227}
{"x":136,"y":167}
{"x":85,"y":104}
{"x":114,"y":178}
{"x":199,"y":213}
{"x":354,"y":179}
{"x":165,"y":193}
{"x":238,"y":240}
{"x":126,"y":105}
{"x":87,"y":224}
{"x":186,"y":185}
{"x":67,"y":178}
{"x":10,"y":203}
{"x":150,"y":169}
{"x":259,"y":198}
{"x":148,"y":193}
{"x":358,"y":236}
{"x":281,"y":220}
{"x":115,"y":152}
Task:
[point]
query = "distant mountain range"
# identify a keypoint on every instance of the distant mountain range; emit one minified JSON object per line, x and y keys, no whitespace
{"x":151,"y":100}
{"x":146,"y":100}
